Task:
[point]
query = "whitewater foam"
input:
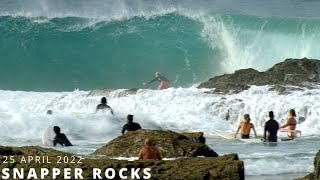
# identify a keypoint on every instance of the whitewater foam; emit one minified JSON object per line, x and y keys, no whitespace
{"x":180,"y":109}
{"x":23,"y":119}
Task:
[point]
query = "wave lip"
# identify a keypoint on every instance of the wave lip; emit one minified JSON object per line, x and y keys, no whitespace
{"x":111,"y":10}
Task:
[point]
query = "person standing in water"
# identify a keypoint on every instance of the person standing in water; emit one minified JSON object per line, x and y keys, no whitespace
{"x":245,"y":127}
{"x":60,"y":138}
{"x":164,"y":82}
{"x":291,"y":123}
{"x":271,"y":128}
{"x":104,"y":105}
{"x":130,"y":126}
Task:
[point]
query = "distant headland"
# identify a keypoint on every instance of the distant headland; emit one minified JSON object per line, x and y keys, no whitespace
{"x":291,"y":74}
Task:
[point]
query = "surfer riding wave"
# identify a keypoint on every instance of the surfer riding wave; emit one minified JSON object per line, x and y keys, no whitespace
{"x":164,"y":82}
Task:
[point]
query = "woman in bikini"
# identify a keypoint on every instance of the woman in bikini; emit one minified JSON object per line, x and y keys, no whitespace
{"x":291,"y":123}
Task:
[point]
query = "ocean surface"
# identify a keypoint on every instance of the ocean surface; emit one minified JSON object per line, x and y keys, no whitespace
{"x":52,"y":53}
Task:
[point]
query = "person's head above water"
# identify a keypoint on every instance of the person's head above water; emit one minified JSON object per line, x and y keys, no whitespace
{"x":103,"y":100}
{"x":130,"y":118}
{"x":271,"y":115}
{"x":292,"y":112}
{"x":56,"y":129}
{"x":148,"y":141}
{"x":157,"y":74}
{"x":246,"y":117}
{"x":49,"y":112}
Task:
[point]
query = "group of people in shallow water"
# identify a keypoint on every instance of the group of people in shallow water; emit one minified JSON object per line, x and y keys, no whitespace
{"x":149,"y":151}
{"x":271,"y":127}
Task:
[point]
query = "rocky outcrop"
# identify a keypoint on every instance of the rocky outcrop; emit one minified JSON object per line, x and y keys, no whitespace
{"x":222,"y":167}
{"x":292,"y":72}
{"x":170,"y":144}
{"x":315,"y":175}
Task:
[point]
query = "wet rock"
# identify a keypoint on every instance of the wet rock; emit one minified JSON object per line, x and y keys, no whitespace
{"x":315,"y":175}
{"x":292,"y":74}
{"x":170,"y":144}
{"x":7,"y":151}
{"x":222,"y":167}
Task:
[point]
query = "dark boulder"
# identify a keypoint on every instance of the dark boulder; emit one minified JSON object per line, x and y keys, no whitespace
{"x":222,"y":167}
{"x":170,"y":144}
{"x":292,"y":72}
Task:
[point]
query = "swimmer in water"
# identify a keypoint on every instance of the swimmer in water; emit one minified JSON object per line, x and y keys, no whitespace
{"x":60,"y":138}
{"x":130,"y":126}
{"x":104,"y":105}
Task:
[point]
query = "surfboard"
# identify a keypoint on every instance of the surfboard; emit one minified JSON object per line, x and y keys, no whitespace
{"x":230,"y":136}
{"x":251,"y":140}
{"x":287,"y":139}
{"x":224,"y":135}
{"x":47,"y":136}
{"x":295,"y":133}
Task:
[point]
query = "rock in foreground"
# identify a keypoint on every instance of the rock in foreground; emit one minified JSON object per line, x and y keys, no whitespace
{"x":315,"y":175}
{"x":170,"y":144}
{"x":223,"y":167}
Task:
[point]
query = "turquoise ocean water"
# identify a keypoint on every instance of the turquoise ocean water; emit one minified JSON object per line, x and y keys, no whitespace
{"x":66,"y":45}
{"x":52,"y":53}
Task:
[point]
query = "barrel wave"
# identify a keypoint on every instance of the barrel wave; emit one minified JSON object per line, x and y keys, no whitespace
{"x":61,"y":50}
{"x":58,"y":50}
